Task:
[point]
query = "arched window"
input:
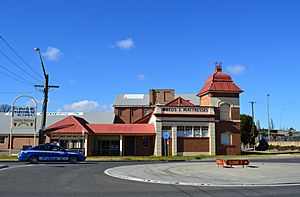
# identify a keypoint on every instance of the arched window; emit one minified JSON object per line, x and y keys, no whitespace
{"x":224,"y":111}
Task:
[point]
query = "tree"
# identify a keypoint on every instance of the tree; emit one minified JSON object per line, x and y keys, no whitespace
{"x":247,"y":137}
{"x":5,"y":108}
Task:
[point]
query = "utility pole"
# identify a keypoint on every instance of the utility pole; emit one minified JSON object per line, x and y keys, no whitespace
{"x":45,"y":90}
{"x":252,"y":128}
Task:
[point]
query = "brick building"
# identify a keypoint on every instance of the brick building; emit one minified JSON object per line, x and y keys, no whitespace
{"x":203,"y":123}
{"x":194,"y":124}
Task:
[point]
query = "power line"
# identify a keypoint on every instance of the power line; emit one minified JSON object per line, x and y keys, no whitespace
{"x":23,"y":60}
{"x":1,"y":52}
{"x":18,"y":92}
{"x":15,"y":78}
{"x":15,"y":74}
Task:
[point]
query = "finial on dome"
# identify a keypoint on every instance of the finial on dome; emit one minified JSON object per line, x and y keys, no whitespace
{"x":218,"y":66}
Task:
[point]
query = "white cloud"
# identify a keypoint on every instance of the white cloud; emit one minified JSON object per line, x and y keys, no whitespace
{"x":236,"y":69}
{"x":141,"y":77}
{"x":31,"y":102}
{"x":124,"y":44}
{"x":87,"y":106}
{"x":53,"y":54}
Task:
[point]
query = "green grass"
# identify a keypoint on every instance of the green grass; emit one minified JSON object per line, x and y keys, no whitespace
{"x":161,"y":158}
{"x":172,"y":158}
{"x":14,"y":158}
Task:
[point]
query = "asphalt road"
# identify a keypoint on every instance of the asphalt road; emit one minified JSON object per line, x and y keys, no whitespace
{"x":88,"y":179}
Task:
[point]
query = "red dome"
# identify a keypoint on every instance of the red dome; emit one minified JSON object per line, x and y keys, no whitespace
{"x":219,"y":82}
{"x":220,"y":76}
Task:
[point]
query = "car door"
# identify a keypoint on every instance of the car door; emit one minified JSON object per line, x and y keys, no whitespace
{"x":43,"y":152}
{"x":59,"y":154}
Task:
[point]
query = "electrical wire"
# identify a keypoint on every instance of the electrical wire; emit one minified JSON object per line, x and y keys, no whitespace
{"x":15,"y":74}
{"x":1,"y":52}
{"x":23,"y":60}
{"x":18,"y":92}
{"x":15,"y":79}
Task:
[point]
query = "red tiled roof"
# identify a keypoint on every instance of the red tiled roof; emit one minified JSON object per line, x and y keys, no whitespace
{"x":219,"y":82}
{"x":70,"y":125}
{"x":180,"y":102}
{"x":75,"y":125}
{"x":122,"y":128}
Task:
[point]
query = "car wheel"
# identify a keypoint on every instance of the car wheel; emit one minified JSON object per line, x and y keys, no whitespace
{"x":73,"y":159}
{"x":33,"y":159}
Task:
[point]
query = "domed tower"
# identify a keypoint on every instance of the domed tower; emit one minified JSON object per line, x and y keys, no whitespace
{"x":222,"y":93}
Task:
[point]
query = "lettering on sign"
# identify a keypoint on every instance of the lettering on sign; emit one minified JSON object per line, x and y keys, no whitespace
{"x":185,"y":109}
{"x":29,"y":112}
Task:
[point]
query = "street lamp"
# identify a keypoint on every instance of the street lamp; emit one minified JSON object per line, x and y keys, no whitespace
{"x":268,"y":109}
{"x":44,"y":108}
{"x":45,"y":87}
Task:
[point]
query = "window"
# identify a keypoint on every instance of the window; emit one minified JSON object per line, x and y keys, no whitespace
{"x":226,"y":139}
{"x":192,"y":131}
{"x":166,"y":128}
{"x":56,"y":148}
{"x":2,"y":140}
{"x":180,"y":128}
{"x":224,"y":111}
{"x":197,"y":132}
{"x":204,"y":130}
{"x":146,"y":142}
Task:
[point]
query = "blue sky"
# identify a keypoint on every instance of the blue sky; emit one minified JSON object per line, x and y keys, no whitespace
{"x":97,"y":49}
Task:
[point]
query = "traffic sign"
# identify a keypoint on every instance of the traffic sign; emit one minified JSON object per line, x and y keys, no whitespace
{"x":166,"y":135}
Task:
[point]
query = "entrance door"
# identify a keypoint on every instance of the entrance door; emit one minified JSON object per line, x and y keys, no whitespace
{"x":129,"y":148}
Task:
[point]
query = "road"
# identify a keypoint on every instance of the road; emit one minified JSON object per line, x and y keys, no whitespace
{"x":88,"y":179}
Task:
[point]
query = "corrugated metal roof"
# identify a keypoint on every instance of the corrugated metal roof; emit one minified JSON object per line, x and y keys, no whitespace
{"x":91,"y":117}
{"x":124,"y":100}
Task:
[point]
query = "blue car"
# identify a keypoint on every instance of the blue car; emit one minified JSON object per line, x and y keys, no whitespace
{"x":49,"y":152}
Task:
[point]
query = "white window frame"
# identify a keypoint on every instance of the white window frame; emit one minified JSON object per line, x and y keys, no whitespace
{"x":190,"y":131}
{"x":228,"y":137}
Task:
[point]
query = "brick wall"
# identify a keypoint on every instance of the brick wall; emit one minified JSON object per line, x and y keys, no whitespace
{"x":127,"y":115}
{"x":186,"y":144}
{"x":6,"y":143}
{"x":205,"y":100}
{"x":19,"y":141}
{"x":161,"y":96}
{"x":233,"y":129}
{"x":144,"y":151}
{"x":235,"y":113}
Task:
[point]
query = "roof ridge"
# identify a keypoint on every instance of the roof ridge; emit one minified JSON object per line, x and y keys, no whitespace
{"x":84,"y":127}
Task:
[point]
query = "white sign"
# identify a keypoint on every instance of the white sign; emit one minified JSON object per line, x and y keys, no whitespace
{"x":184,"y":110}
{"x":24,"y":112}
{"x":23,"y":123}
{"x":23,"y":117}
